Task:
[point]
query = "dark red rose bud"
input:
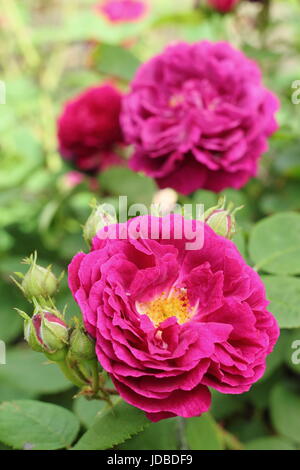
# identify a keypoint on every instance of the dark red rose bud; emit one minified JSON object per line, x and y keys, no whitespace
{"x":89,"y":130}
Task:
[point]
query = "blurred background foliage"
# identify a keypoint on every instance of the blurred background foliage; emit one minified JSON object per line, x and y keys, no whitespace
{"x":50,"y":50}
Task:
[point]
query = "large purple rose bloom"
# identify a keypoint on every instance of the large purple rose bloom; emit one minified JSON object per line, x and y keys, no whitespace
{"x":199,"y":116}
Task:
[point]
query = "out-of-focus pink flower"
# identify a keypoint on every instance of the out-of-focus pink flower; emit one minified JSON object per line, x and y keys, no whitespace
{"x":73,"y":179}
{"x":198,"y":116}
{"x":89,"y":129}
{"x":121,"y":11}
{"x":223,"y":6}
{"x":169,"y":322}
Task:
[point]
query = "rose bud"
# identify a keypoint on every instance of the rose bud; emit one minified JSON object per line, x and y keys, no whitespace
{"x":46,"y":332}
{"x":222,"y":220}
{"x":82,"y":346}
{"x":98,"y":219}
{"x":30,"y":335}
{"x":38,"y":283}
{"x":165,"y":201}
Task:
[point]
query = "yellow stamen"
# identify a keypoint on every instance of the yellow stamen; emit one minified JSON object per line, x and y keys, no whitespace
{"x":176,"y":100}
{"x":163,"y":307}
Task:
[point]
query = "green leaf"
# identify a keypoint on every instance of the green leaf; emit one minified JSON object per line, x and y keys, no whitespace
{"x":292,"y":351}
{"x":285,"y":412}
{"x":259,"y":396}
{"x":116,"y":61}
{"x":158,"y":436}
{"x":245,"y":429}
{"x":3,"y":447}
{"x":13,"y":392}
{"x":270,"y":443}
{"x":203,"y":434}
{"x":87,"y":410}
{"x":112,"y":426}
{"x":33,"y":425}
{"x":208,"y":198}
{"x":286,"y":200}
{"x":274,"y":244}
{"x":224,"y":405}
{"x":10,"y":322}
{"x":284,"y":294}
{"x":137,"y":187}
{"x":240,"y":242}
{"x":32,"y":372}
{"x":20,"y":160}
{"x":276,"y":358}
{"x":239,"y":199}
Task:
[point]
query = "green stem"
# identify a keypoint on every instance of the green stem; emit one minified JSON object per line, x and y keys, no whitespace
{"x":110,"y":391}
{"x":70,"y":375}
{"x":181,"y":434}
{"x":21,"y":33}
{"x":95,"y":375}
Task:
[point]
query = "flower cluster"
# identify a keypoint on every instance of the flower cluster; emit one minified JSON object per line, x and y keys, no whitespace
{"x":197,"y":115}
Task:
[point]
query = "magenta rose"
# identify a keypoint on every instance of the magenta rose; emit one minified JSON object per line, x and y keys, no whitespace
{"x":122,"y":11}
{"x":170,"y":321}
{"x":89,"y":129}
{"x":199,"y":117}
{"x":223,"y":5}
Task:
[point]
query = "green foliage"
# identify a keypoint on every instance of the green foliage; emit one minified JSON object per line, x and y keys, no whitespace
{"x":112,"y":426}
{"x":32,"y":372}
{"x":10,"y":323}
{"x":292,"y":351}
{"x":87,"y":410}
{"x":137,"y":187}
{"x":159,"y":436}
{"x":33,"y":425}
{"x":116,"y":61}
{"x":284,"y":293}
{"x":269,"y":443}
{"x":285,"y":412}
{"x":274,"y":244}
{"x":203,"y":434}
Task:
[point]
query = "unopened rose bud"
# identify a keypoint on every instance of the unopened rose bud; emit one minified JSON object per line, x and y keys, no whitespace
{"x":38,"y":282}
{"x":46,"y":332}
{"x":82,"y":346}
{"x":164,"y":201}
{"x":31,"y":337}
{"x":222,"y":219}
{"x":99,"y":218}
